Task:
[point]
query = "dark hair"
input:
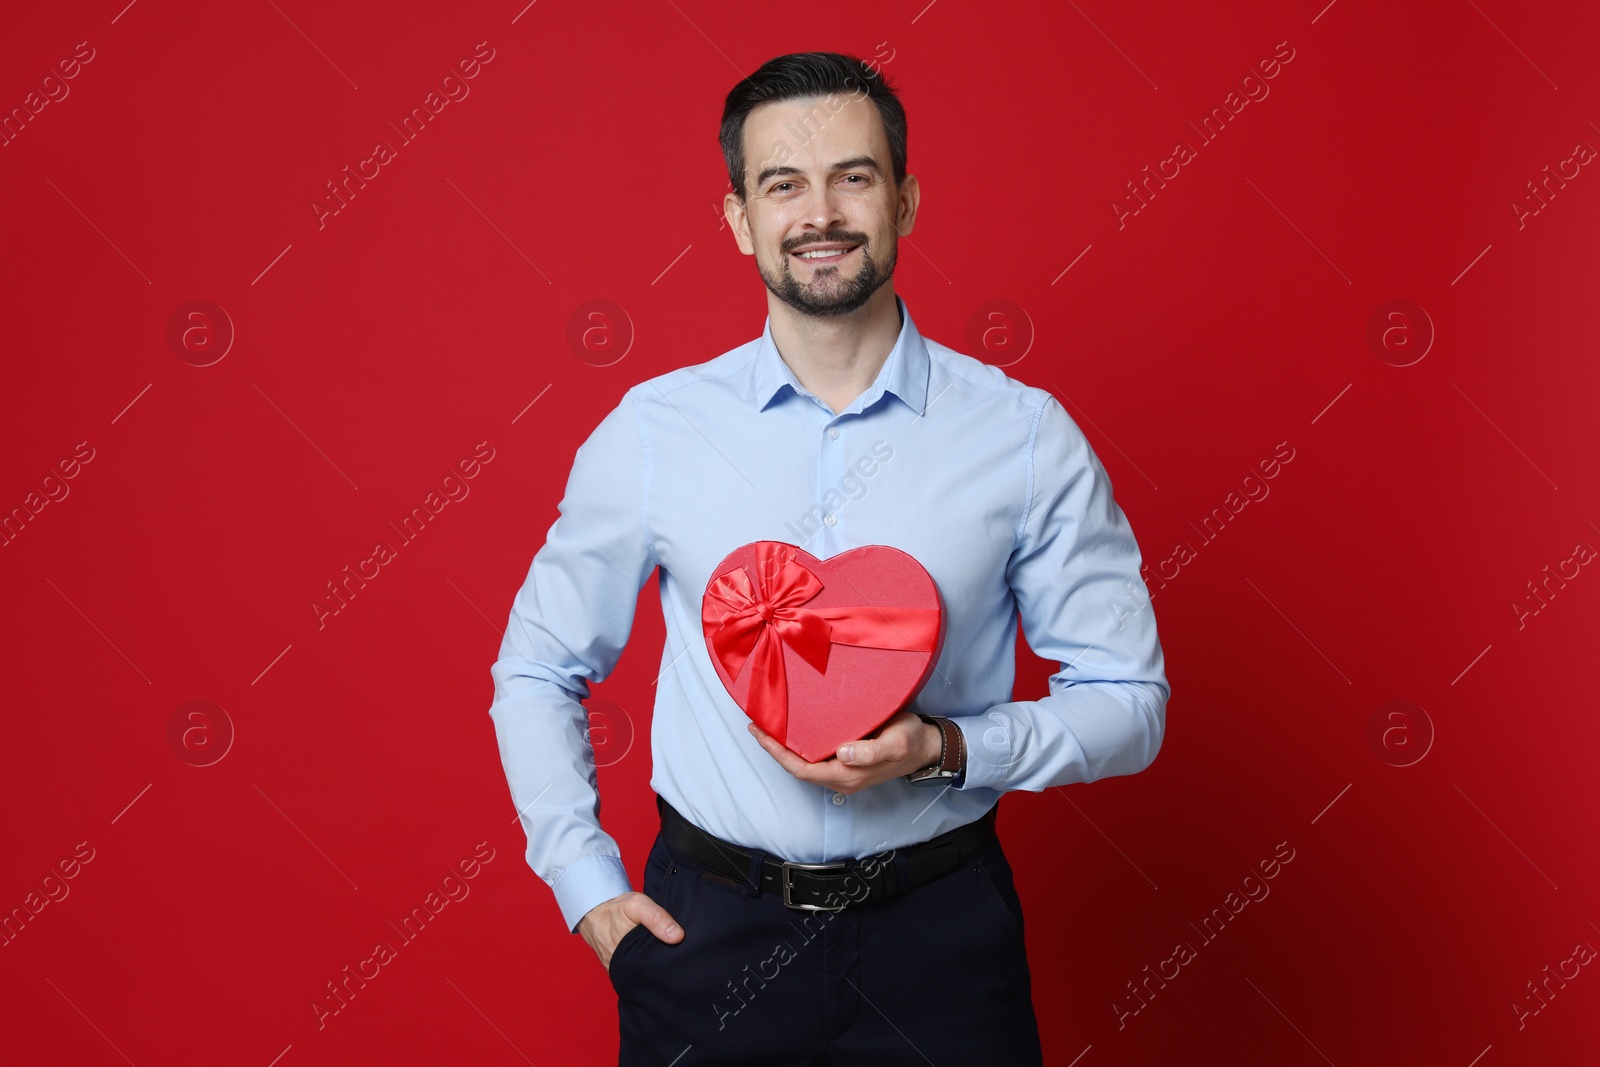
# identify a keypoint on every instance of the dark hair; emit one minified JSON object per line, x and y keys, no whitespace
{"x":807,"y":74}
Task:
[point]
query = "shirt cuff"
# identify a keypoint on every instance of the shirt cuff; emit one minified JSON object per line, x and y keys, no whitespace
{"x":981,"y":768}
{"x":590,"y":881}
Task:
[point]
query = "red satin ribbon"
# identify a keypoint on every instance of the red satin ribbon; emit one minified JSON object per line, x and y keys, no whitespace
{"x":755,"y":620}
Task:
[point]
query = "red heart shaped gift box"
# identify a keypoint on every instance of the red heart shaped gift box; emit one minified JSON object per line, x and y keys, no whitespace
{"x":820,"y":652}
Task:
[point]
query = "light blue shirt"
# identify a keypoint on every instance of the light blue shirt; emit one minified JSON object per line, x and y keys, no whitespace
{"x":987,"y":482}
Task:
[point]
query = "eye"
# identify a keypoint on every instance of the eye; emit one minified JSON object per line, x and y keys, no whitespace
{"x":863,"y":178}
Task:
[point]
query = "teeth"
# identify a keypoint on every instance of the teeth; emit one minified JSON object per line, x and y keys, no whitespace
{"x":828,"y":254}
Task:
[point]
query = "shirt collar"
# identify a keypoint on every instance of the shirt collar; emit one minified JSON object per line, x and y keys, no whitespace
{"x":904,"y":373}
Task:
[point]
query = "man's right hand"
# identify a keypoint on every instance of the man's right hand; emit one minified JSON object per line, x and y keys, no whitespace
{"x":605,"y":924}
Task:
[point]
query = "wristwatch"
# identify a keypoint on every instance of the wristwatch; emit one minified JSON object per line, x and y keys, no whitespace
{"x":952,"y":753}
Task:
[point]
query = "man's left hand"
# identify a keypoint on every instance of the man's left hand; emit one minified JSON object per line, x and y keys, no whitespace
{"x":903,"y":744}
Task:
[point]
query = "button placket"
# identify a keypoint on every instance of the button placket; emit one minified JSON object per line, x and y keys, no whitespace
{"x":830,"y":467}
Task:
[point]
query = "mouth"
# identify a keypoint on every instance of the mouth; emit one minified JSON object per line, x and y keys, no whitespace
{"x":823,"y":254}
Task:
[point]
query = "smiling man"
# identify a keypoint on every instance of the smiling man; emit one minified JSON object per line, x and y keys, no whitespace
{"x":859,"y":909}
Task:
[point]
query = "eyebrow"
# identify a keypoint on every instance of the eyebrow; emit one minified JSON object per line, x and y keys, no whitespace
{"x":863,"y":162}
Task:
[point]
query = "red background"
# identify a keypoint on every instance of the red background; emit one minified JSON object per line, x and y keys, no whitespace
{"x":375,"y":351}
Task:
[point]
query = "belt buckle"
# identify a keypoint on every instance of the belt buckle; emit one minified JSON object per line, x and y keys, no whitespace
{"x":791,"y":902}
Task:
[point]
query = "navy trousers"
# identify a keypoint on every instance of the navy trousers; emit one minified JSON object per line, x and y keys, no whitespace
{"x":937,"y":975}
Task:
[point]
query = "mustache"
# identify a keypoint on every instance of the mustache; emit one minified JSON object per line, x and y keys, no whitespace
{"x":841,"y":238}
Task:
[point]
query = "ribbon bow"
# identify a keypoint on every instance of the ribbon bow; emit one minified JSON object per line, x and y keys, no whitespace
{"x":756,"y":619}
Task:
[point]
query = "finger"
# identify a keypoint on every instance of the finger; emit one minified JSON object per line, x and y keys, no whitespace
{"x":646,"y":912}
{"x":892,"y":741}
{"x":860,"y":753}
{"x":866,"y":753}
{"x":763,"y":738}
{"x":791,"y":762}
{"x":666,"y":927}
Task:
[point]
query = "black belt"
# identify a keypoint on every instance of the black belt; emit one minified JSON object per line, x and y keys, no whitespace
{"x":830,"y":886}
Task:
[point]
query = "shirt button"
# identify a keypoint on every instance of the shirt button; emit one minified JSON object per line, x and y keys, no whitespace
{"x":829,"y":518}
{"x":833,"y":433}
{"x":838,"y":798}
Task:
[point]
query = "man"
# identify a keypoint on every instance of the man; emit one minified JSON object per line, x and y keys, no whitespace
{"x":840,"y":426}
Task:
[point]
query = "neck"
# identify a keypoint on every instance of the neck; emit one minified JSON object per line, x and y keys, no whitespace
{"x":837,"y":358}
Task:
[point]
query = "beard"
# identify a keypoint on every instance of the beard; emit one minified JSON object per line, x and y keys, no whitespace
{"x":830,"y":294}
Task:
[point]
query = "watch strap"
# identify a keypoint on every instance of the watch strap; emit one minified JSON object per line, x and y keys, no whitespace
{"x":951,"y":752}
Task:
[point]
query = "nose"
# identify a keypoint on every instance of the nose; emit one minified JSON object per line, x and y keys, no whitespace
{"x":822,"y":208}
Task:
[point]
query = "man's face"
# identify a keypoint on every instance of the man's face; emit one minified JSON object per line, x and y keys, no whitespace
{"x":819,"y":179}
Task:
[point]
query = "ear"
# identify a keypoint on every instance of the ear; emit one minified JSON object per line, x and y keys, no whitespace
{"x":739,"y":222}
{"x":906,"y":206}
